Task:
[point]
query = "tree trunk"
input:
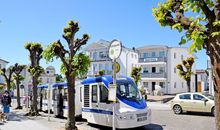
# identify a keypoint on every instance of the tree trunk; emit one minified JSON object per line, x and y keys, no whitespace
{"x":8,"y":85}
{"x":188,"y":85}
{"x":18,"y":95}
{"x":34,"y":98}
{"x":70,"y":125}
{"x":216,"y":79}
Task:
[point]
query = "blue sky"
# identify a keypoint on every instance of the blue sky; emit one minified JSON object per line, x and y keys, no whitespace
{"x":43,"y":20}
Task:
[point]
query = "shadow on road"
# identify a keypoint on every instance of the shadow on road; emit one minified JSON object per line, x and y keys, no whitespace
{"x":198,"y":114}
{"x":147,"y":127}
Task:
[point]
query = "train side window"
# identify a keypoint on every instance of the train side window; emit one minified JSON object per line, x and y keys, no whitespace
{"x":65,"y":94}
{"x":55,"y":94}
{"x":103,"y":94}
{"x":44,"y":94}
{"x":94,"y":93}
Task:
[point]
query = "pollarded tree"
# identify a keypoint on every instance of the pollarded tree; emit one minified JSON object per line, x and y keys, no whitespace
{"x":73,"y":64}
{"x":203,"y":29}
{"x":8,"y":77}
{"x":18,"y":78}
{"x":59,"y":78}
{"x":101,"y":72}
{"x":135,"y":73}
{"x":185,"y":71}
{"x":35,"y":50}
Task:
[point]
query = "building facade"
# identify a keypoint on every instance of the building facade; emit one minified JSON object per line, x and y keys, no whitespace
{"x":98,"y":53}
{"x":210,"y":77}
{"x":45,"y":78}
{"x":3,"y":64}
{"x":158,"y":65}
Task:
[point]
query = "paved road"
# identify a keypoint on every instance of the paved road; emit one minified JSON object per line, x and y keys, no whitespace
{"x":162,"y":119}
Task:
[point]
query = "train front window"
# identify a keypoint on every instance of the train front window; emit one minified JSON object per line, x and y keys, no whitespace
{"x":128,"y":90}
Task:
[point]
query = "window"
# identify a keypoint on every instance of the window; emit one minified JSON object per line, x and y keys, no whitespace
{"x":48,"y":71}
{"x":161,"y":70}
{"x":174,"y":55}
{"x":197,"y":97}
{"x":145,"y":70}
{"x":65,"y":95}
{"x":0,"y":66}
{"x":182,"y":84}
{"x":153,"y":69}
{"x":55,"y":94}
{"x":185,"y":96}
{"x":94,"y":93}
{"x":175,"y":70}
{"x":174,"y":84}
{"x":132,"y":55}
{"x":44,"y":94}
{"x":145,"y":84}
{"x":103,"y":93}
{"x":153,"y":54}
{"x":128,"y":90}
{"x":161,"y":84}
{"x":94,"y":55}
{"x":101,"y":54}
{"x":162,"y":54}
{"x":145,"y":55}
{"x":181,"y":57}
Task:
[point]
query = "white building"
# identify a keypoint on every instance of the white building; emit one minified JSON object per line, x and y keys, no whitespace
{"x":98,"y":52}
{"x":158,"y":65}
{"x":210,"y":77}
{"x":3,"y":64}
{"x":45,"y":78}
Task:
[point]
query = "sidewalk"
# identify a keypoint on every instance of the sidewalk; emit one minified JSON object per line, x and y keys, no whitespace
{"x":19,"y":122}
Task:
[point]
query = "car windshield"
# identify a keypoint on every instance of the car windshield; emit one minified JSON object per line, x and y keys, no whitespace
{"x":128,"y":90}
{"x":208,"y":96}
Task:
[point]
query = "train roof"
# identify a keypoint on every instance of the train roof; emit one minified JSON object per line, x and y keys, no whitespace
{"x":105,"y":79}
{"x":59,"y":84}
{"x":43,"y":86}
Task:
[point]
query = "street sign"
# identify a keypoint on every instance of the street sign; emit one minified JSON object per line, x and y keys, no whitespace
{"x":117,"y":67}
{"x":115,"y":49}
{"x":112,"y":92}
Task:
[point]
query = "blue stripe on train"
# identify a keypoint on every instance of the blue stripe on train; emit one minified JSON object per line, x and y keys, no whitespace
{"x":97,"y":111}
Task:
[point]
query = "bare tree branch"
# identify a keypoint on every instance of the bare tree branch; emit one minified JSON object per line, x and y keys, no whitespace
{"x":217,"y":9}
{"x":210,"y":15}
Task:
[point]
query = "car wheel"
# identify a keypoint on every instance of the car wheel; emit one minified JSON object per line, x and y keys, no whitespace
{"x":213,"y":111}
{"x":177,"y":109}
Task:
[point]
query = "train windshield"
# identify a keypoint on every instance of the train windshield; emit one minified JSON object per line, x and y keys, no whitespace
{"x":128,"y":90}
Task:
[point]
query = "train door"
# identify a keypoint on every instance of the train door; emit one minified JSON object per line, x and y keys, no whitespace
{"x":58,"y":105}
{"x":104,"y":106}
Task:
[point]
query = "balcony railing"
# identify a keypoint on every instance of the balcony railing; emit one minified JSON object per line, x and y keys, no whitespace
{"x":153,"y":75}
{"x":100,"y":58}
{"x":153,"y":59}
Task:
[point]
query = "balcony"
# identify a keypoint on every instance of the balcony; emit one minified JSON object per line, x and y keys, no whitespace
{"x":100,"y":58}
{"x":153,"y":75}
{"x":153,"y":59}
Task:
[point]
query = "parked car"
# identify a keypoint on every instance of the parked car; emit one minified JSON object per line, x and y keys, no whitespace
{"x":194,"y":102}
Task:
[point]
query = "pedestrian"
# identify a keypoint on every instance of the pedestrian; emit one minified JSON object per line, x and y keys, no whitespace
{"x":6,"y":102}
